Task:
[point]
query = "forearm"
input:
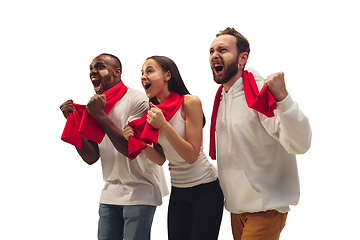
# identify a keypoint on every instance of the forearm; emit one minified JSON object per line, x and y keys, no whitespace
{"x":186,"y":150}
{"x":89,"y":151}
{"x":114,"y":133}
{"x":193,"y":115}
{"x":295,"y":130}
{"x":290,"y":127}
{"x":155,"y":154}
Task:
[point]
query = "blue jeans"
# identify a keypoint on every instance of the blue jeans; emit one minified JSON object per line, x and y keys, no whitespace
{"x":118,"y":222}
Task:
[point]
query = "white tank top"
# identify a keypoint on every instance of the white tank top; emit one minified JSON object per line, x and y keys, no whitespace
{"x":182,"y":173}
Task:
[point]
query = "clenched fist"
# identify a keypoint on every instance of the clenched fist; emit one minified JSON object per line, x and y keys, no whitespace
{"x":96,"y":105}
{"x":155,"y":117}
{"x":276,"y":83}
{"x":67,"y":107}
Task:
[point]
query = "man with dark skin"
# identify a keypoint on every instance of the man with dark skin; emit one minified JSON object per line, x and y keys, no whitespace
{"x":101,"y":64}
{"x":134,"y":188}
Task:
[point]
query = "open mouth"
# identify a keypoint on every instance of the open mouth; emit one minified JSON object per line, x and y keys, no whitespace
{"x":218,"y":68}
{"x":96,"y":83}
{"x":146,"y":85}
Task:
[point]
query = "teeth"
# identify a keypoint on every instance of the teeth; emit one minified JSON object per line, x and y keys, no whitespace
{"x":217,"y":65}
{"x":146,"y":85}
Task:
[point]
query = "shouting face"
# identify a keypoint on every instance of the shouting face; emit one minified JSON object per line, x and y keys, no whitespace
{"x":155,"y":80}
{"x":102,"y":70}
{"x":224,"y":59}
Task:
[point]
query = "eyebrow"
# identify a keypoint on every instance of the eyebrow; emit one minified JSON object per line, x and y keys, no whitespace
{"x":147,"y":68}
{"x":97,"y":64}
{"x":221,"y":45}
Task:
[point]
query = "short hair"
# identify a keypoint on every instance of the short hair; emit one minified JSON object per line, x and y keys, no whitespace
{"x":242,"y":43}
{"x":117,"y":60}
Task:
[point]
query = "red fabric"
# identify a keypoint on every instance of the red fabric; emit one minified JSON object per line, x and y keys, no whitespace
{"x":262,"y":102}
{"x":81,"y":123}
{"x":144,"y":132}
{"x":71,"y":131}
{"x":212,"y":151}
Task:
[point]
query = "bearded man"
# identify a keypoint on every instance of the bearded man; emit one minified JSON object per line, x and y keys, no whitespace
{"x":256,"y":150}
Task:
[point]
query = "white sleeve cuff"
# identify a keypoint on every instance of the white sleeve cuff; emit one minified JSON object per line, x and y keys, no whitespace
{"x":285,"y":104}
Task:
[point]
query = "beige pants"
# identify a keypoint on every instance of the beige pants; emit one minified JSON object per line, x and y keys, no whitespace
{"x":258,"y":226}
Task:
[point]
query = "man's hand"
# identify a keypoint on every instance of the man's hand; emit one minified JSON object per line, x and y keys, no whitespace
{"x":96,"y":106}
{"x":276,"y":83}
{"x":67,"y":107}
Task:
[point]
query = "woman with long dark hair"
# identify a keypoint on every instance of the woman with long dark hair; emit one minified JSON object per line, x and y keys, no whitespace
{"x":196,"y":201}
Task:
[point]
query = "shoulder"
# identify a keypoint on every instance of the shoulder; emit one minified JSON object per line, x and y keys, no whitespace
{"x":258,"y":78}
{"x":136,"y":100}
{"x":191,"y":106}
{"x":135,"y":96}
{"x":256,"y":74}
{"x":131,"y":92}
{"x":191,"y":101}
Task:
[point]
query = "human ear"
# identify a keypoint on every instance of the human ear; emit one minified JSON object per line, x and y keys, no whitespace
{"x":167,"y":76}
{"x":243,"y":57}
{"x":117,"y":72}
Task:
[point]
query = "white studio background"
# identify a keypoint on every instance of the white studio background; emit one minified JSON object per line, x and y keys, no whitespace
{"x":47,"y":192}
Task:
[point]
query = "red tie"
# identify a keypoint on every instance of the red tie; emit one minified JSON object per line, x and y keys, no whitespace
{"x":81,"y":123}
{"x":262,"y":102}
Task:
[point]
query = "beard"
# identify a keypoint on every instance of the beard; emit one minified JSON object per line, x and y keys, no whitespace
{"x":229,"y":72}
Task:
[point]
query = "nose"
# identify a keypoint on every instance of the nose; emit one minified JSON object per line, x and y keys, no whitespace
{"x":92,"y":71}
{"x":143,"y":77}
{"x":214,"y":56}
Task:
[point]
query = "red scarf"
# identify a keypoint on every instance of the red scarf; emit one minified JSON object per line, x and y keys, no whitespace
{"x":262,"y":102}
{"x":144,"y":132}
{"x":81,"y":123}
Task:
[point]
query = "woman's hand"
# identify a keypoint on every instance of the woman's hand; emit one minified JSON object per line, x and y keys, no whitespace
{"x":128,"y":132}
{"x":155,"y":117}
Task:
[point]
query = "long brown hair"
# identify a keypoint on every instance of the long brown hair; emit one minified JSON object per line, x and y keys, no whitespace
{"x":176,"y":84}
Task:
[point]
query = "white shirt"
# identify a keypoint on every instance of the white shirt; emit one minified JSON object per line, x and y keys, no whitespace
{"x":182,"y":173}
{"x":256,"y":155}
{"x":136,"y":182}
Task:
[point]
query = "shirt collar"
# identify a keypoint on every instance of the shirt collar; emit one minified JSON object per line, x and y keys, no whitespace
{"x":236,"y":87}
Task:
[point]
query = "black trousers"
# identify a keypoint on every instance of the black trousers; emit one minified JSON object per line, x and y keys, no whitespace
{"x":195,"y":213}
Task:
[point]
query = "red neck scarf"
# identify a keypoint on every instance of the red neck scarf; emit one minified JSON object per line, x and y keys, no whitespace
{"x":262,"y":102}
{"x":81,"y":123}
{"x":145,"y":132}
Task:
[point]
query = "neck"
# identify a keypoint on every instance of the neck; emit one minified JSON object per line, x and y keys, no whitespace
{"x":162,"y":96}
{"x":233,"y":80}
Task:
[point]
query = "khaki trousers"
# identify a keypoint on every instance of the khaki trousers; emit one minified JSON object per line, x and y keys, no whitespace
{"x":258,"y":226}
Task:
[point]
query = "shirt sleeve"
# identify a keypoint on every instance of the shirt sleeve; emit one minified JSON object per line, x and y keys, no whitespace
{"x":290,"y":127}
{"x":139,"y":105}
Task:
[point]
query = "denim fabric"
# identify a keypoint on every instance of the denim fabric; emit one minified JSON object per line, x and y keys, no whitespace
{"x":119,"y":222}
